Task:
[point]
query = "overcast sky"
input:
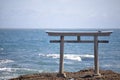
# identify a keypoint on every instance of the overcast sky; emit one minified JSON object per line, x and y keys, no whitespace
{"x":59,"y":13}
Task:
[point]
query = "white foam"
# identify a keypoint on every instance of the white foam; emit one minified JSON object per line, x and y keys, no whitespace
{"x":8,"y":69}
{"x":1,"y":49}
{"x":8,"y":77}
{"x":73,"y":57}
{"x":17,"y":69}
{"x":87,"y":56}
{"x":68,"y":56}
{"x":68,"y":62}
{"x":5,"y":61}
{"x":14,"y":72}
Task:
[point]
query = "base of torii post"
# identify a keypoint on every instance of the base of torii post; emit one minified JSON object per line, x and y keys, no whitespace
{"x":61,"y":75}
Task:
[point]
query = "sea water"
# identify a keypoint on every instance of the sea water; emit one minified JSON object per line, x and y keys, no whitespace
{"x":27,"y":51}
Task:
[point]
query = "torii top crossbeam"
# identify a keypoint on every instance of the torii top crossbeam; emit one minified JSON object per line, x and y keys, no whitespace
{"x":78,"y":34}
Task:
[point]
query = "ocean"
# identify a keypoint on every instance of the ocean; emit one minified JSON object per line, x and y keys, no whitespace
{"x":27,"y":51}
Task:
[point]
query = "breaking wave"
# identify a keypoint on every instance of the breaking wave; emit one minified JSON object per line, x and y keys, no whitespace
{"x":6,"y":73}
{"x":5,"y":61}
{"x":17,"y":69}
{"x":1,"y":49}
{"x":68,"y":56}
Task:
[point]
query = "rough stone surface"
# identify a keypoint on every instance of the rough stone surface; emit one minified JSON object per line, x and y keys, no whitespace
{"x":80,"y":75}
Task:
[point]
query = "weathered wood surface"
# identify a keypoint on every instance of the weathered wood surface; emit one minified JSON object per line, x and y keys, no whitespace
{"x":81,"y":33}
{"x":96,"y":60}
{"x":81,"y":41}
{"x":61,"y":68}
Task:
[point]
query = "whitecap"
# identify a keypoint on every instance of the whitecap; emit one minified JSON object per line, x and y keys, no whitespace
{"x":50,"y":55}
{"x":87,"y":56}
{"x":5,"y":61}
{"x":14,"y":71}
{"x":18,"y":69}
{"x":8,"y":69}
{"x":110,"y":65}
{"x":68,"y":62}
{"x":8,"y":77}
{"x":66,"y":56}
{"x":72,"y":57}
{"x":1,"y":49}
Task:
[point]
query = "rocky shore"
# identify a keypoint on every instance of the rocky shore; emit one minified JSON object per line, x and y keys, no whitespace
{"x":80,"y":75}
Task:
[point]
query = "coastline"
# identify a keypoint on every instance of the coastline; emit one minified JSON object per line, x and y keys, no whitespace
{"x":87,"y":74}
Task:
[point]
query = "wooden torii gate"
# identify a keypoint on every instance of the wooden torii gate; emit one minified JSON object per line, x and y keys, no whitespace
{"x":78,"y":34}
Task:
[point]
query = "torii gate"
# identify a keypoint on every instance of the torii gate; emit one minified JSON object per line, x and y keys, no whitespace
{"x":78,"y":34}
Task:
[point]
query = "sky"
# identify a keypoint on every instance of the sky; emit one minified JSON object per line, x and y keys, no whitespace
{"x":60,"y":14}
